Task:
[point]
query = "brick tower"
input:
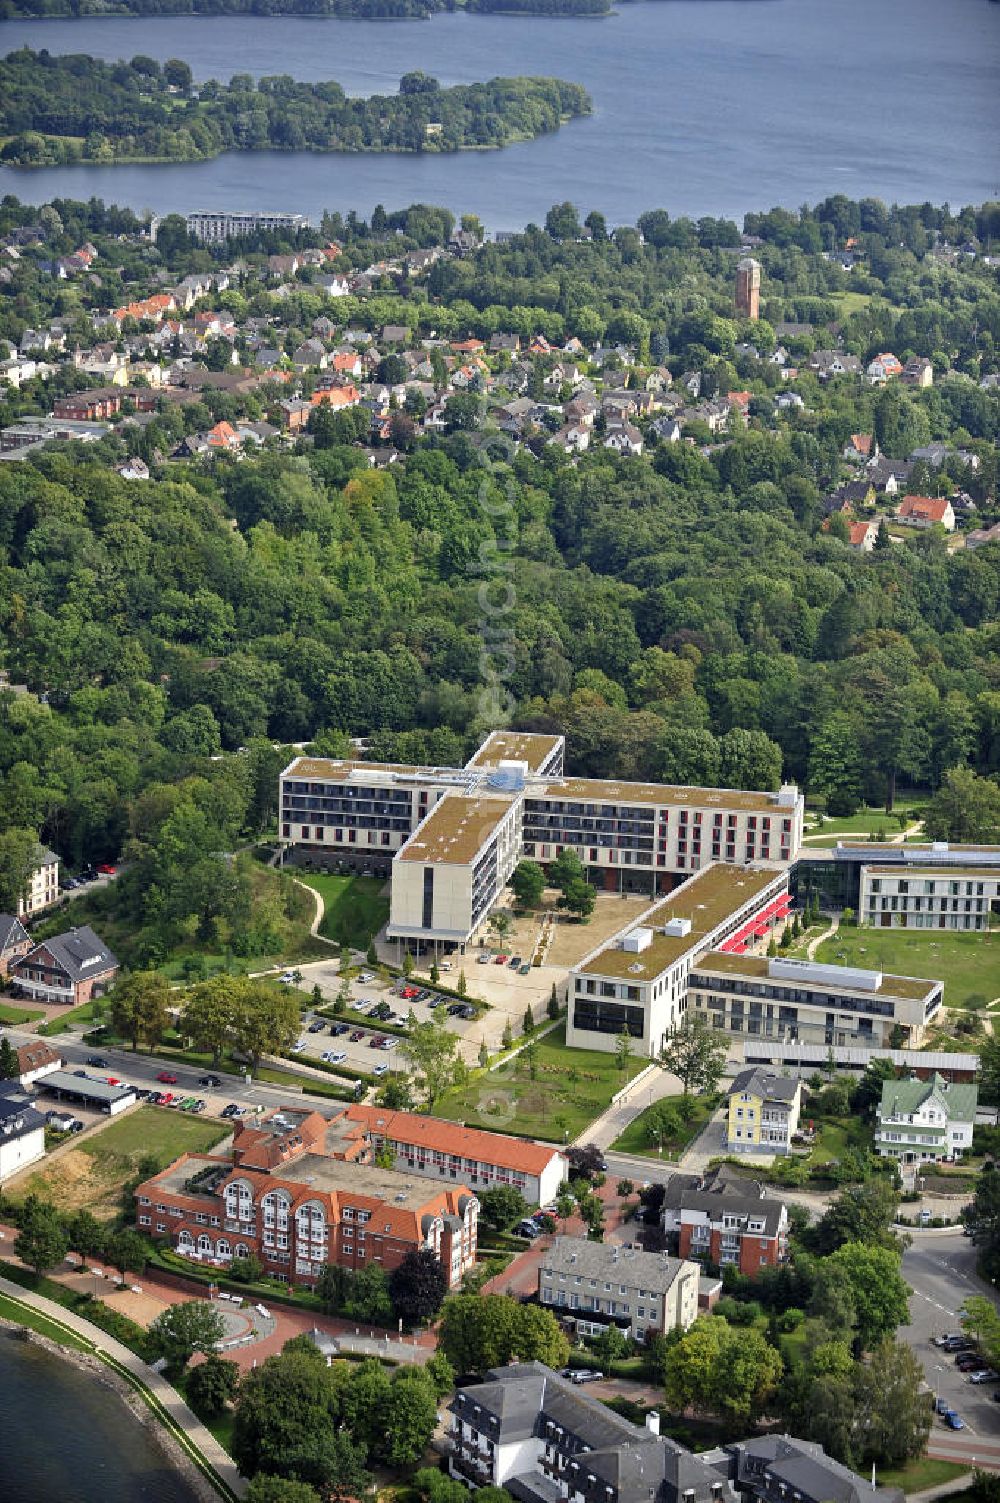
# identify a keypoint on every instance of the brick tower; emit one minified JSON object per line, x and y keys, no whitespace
{"x":748,"y":288}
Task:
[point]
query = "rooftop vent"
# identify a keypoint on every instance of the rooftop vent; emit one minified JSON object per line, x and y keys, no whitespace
{"x":637,"y":941}
{"x":677,"y":927}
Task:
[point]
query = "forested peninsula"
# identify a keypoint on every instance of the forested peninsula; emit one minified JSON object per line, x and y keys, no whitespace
{"x":376,"y":10}
{"x":79,"y":109}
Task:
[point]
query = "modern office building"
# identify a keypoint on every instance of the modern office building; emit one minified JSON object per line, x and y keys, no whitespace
{"x":212,"y":228}
{"x":638,"y":980}
{"x":763,"y":1112}
{"x":723,"y":1218}
{"x":835,"y":876}
{"x":928,"y":897}
{"x":802,"y":1001}
{"x":596,"y":1286}
{"x":925,"y":1120}
{"x":296,"y":1192}
{"x":450,"y":837}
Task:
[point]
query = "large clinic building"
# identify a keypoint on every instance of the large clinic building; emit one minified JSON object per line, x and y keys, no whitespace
{"x":450,"y":838}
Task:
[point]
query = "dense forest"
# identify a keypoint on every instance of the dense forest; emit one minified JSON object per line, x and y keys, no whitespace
{"x":380,"y":10}
{"x":684,"y":615}
{"x":77,"y":108}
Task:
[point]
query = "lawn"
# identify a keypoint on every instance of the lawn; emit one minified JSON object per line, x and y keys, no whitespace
{"x":850,"y":302}
{"x":18,"y":1014}
{"x":355,"y":908}
{"x":926,"y":1471}
{"x":93,"y":1176}
{"x":569,"y":1089}
{"x":869,"y":821}
{"x":88,"y":1012}
{"x":968,"y":964}
{"x":638,"y":1137}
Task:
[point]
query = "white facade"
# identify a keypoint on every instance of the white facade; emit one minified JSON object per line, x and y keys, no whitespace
{"x":923,"y":1121}
{"x":210,"y":229}
{"x":19,"y":1148}
{"x":928,"y":898}
{"x":644,"y":1293}
{"x":43,"y":887}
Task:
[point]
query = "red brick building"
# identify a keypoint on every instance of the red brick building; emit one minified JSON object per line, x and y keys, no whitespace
{"x":15,"y":942}
{"x":299,"y":1192}
{"x":725,"y":1220}
{"x":70,"y":968}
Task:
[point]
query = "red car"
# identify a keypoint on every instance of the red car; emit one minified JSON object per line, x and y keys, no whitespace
{"x":357,"y":1036}
{"x":408,"y":991}
{"x":106,"y":869}
{"x":500,"y":960}
{"x":165,"y":1078}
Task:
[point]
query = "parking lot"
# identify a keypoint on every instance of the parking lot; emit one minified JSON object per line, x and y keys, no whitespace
{"x":940,"y":1268}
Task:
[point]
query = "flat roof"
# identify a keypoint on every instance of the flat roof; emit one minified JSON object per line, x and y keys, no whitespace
{"x":328,"y":1174}
{"x":455,"y":830}
{"x":707,"y":899}
{"x":334,"y":770}
{"x":942,"y":873}
{"x":515,"y":746}
{"x":83,"y":1085}
{"x":757,"y":965}
{"x":609,"y":790}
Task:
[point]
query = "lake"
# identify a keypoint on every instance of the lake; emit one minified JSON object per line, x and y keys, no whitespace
{"x":64,"y":1435}
{"x":700,"y":107}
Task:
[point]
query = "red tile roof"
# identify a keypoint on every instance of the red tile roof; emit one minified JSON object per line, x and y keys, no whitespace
{"x":933,"y":509}
{"x":448,"y":1137}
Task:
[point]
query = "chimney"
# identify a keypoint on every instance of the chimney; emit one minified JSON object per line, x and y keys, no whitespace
{"x":653,"y":1422}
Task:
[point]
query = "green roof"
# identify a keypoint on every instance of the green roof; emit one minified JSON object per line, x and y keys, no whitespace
{"x":901,"y":1098}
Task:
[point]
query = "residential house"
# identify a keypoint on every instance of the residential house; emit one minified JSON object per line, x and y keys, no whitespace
{"x":861,"y":536}
{"x":394,"y":334}
{"x":918,"y":371}
{"x":43,"y":885}
{"x":624,"y":439}
{"x":596,"y":1286}
{"x":926,"y":511}
{"x":15,"y":942}
{"x":722,"y":1218}
{"x":787,"y":401}
{"x":667,"y":429}
{"x":310,"y":355}
{"x":763,"y":1112}
{"x":920,"y":1121}
{"x":294,"y":413}
{"x":338,"y":397}
{"x":509,"y":344}
{"x":518,"y":414}
{"x":133,"y":469}
{"x":883,"y":368}
{"x":829,"y":363}
{"x":572,"y":438}
{"x":36,"y":1060}
{"x":22,"y":1130}
{"x":739,"y":401}
{"x":937,"y":454}
{"x":89,"y":406}
{"x":860,"y":447}
{"x":888,"y":476}
{"x":582,"y":409}
{"x":334,"y":286}
{"x":297,"y":1192}
{"x":74,"y":967}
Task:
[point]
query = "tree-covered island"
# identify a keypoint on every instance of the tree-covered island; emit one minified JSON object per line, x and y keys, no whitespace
{"x":79,"y":109}
{"x":373,"y":10}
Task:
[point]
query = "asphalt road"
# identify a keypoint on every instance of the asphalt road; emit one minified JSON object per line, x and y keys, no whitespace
{"x":940,"y":1267}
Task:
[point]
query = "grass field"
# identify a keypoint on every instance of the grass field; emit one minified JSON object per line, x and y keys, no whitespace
{"x":18,"y":1014}
{"x":355,"y":907}
{"x":88,"y":1012}
{"x":639,"y":1138}
{"x":926,"y":1471}
{"x":968,"y":964}
{"x":570,"y":1088}
{"x":850,"y":302}
{"x":93,"y":1175}
{"x":869,"y":821}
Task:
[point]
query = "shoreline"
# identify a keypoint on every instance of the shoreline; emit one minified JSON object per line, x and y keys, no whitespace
{"x":174,"y":1454}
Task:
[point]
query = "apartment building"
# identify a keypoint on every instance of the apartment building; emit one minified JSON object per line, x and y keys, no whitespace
{"x":802,"y":1001}
{"x":924,"y":1120}
{"x":298,"y":1194}
{"x":638,"y":980}
{"x":925,"y":897}
{"x":596,"y":1286}
{"x":43,"y":886}
{"x":545,"y":1440}
{"x":449,"y":837}
{"x":445,"y":1151}
{"x":213,"y":228}
{"x":763,"y":1112}
{"x":724,"y":1219}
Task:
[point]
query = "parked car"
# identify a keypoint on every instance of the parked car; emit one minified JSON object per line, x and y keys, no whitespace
{"x":435,"y":1002}
{"x":381,"y":1069}
{"x":154,"y":1098}
{"x":483,"y":958}
{"x":455,"y":1009}
{"x":957,"y":1343}
{"x":375,"y":1042}
{"x":527,"y":1228}
{"x":186,"y":1103}
{"x":524,"y":970}
{"x":446,"y":965}
{"x":942,"y":1406}
{"x":199,"y":1106}
{"x":316,"y":1026}
{"x":514,"y":962}
{"x":298,"y":1046}
{"x":141,"y":1094}
{"x":337,"y":1030}
{"x":500,"y":960}
{"x":389,"y":1043}
{"x":984,"y":1375}
{"x":954,"y":1421}
{"x":230,"y":1110}
{"x":209,"y":1080}
{"x":357,"y":1035}
{"x":287,"y":978}
{"x":408,"y":992}
{"x":365,"y":976}
{"x":106,"y":869}
{"x":967,"y":1362}
{"x":97,"y":1062}
{"x":335,"y":1056}
{"x":166,"y":1077}
{"x":584,"y":1375}
{"x":947,"y":1336}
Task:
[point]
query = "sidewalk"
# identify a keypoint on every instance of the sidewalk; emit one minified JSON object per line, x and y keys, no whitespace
{"x":639,"y":1094}
{"x":167,"y":1395}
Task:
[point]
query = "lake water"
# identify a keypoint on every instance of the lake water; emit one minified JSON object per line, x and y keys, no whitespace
{"x":700,"y":107}
{"x":64,"y":1436}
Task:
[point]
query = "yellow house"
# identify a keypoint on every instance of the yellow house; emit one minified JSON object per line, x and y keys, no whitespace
{"x":763,"y":1112}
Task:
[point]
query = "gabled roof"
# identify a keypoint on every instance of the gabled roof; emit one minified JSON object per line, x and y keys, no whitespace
{"x":449,"y":1137}
{"x":902,"y":1098}
{"x":79,"y":953}
{"x":934,"y":508}
{"x":595,"y":1260}
{"x":767,"y":1086}
{"x":12,"y":932}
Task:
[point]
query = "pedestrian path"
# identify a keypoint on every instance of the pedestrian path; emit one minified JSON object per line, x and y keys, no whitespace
{"x":167,"y":1398}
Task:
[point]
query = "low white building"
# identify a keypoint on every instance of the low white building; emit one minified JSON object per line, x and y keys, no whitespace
{"x":22,"y":1130}
{"x":924,"y":1120}
{"x":36,"y":1060}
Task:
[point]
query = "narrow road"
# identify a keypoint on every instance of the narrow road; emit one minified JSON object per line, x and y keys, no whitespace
{"x":183,"y":1417}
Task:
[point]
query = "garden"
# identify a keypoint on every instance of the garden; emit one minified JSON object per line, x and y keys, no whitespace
{"x":968,"y":963}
